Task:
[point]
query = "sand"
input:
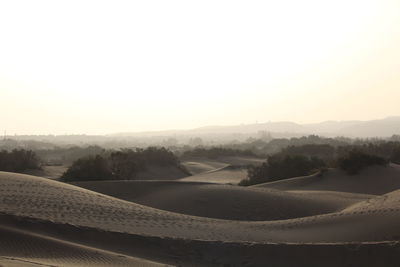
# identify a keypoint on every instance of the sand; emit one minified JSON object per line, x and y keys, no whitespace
{"x":224,"y":170}
{"x":51,"y":172}
{"x":374,"y":180}
{"x":161,"y":173}
{"x":361,"y":232}
{"x":224,"y":175}
{"x":198,"y":165}
{"x":25,"y":248}
{"x":225,"y":201}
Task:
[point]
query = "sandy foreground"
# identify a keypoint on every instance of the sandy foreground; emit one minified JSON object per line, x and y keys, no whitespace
{"x":305,"y":221}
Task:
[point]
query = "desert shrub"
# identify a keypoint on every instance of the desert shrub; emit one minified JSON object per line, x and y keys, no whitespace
{"x":120,"y":165}
{"x":322,"y":151}
{"x":292,"y":166}
{"x":88,"y":168}
{"x":256,"y":175}
{"x":356,"y":160}
{"x":158,"y":156}
{"x":19,"y":160}
{"x":280,"y":167}
{"x":124,"y":165}
{"x":395,"y":156}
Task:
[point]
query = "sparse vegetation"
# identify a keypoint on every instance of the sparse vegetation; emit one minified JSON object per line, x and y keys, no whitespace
{"x":357,"y":160}
{"x":280,"y":166}
{"x":325,"y":152}
{"x":18,"y":160}
{"x":89,"y":168}
{"x":120,"y":165}
{"x":302,"y":160}
{"x":127,"y":163}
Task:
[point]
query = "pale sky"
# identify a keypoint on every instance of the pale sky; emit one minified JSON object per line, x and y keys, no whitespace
{"x":97,"y":67}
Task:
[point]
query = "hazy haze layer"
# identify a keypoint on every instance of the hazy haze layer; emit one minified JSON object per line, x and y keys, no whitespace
{"x":114,"y":66}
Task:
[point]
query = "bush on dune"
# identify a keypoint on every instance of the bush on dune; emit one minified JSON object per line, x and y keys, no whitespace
{"x":121,"y":165}
{"x":395,"y":157}
{"x":280,"y":167}
{"x":302,"y":160}
{"x":88,"y":168}
{"x":356,"y":160}
{"x":18,"y":160}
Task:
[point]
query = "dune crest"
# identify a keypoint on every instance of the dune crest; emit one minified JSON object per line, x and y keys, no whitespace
{"x":34,"y":197}
{"x":37,"y":201}
{"x":375,"y":180}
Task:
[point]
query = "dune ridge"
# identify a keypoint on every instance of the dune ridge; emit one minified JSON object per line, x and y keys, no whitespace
{"x":375,"y":180}
{"x":34,"y":197}
{"x":181,"y":252}
{"x":224,"y":175}
{"x":369,"y":222}
{"x":35,"y":249}
{"x":224,"y":201}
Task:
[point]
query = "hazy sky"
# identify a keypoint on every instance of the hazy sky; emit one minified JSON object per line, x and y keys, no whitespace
{"x":112,"y":66}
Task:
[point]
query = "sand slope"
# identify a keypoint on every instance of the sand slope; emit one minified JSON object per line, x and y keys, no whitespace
{"x":224,"y":201}
{"x":184,"y":252}
{"x":197,"y":166}
{"x":224,"y":175}
{"x":34,"y":197}
{"x":53,"y":203}
{"x":202,"y":165}
{"x":161,"y":173}
{"x":375,"y":180}
{"x":24,"y":248}
{"x":51,"y":172}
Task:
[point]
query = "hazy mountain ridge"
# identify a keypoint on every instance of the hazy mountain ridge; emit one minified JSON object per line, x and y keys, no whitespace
{"x":373,"y":128}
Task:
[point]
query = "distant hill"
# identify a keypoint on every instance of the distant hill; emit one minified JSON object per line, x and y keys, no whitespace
{"x":385,"y":127}
{"x":374,"y":128}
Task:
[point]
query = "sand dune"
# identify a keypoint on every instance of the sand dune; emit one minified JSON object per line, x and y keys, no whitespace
{"x":184,"y":252}
{"x":37,"y":201}
{"x":375,"y":180}
{"x":24,"y":248}
{"x":202,"y":165}
{"x":224,"y":170}
{"x":224,"y":201}
{"x":51,"y":172}
{"x":38,"y":198}
{"x":241,"y":160}
{"x":161,"y":173}
{"x":224,"y":175}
